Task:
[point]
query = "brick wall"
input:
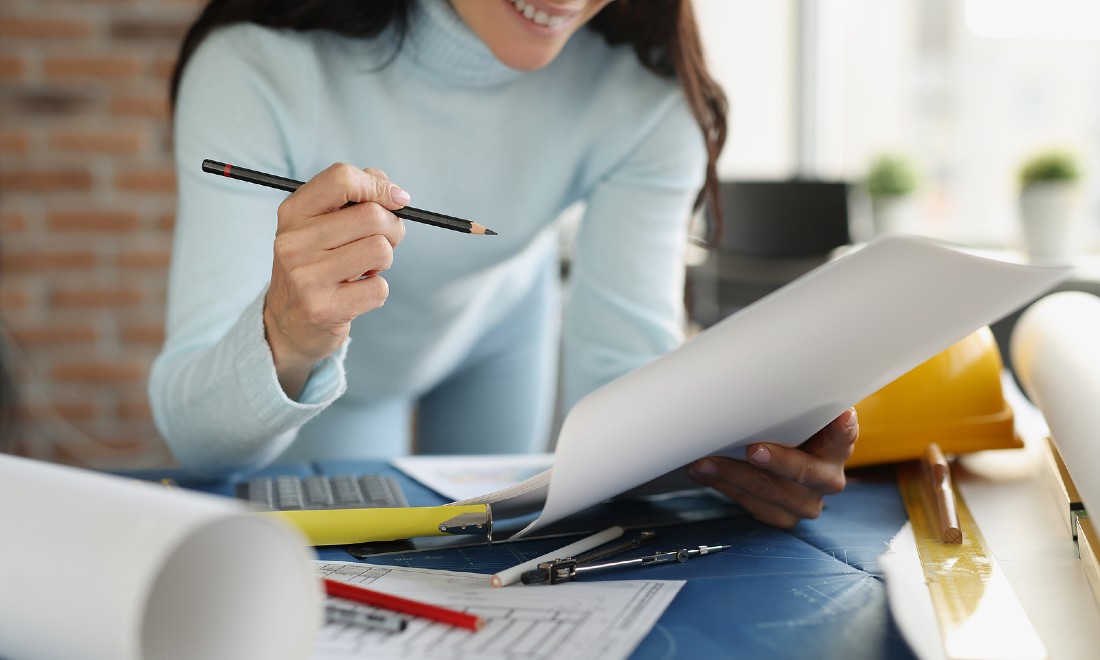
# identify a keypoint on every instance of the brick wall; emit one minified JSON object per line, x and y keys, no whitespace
{"x":87,"y":197}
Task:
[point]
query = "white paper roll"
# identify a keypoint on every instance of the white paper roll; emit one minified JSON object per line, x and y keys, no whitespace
{"x":1056,"y":354}
{"x":97,"y":566}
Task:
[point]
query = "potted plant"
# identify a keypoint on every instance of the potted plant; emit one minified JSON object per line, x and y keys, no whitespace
{"x":891,"y":181}
{"x":1047,"y":201}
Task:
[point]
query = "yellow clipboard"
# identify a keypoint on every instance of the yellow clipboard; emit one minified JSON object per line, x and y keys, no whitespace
{"x":344,"y":526}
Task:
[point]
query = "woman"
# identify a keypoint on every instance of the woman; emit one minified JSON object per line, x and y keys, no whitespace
{"x":507,"y":112}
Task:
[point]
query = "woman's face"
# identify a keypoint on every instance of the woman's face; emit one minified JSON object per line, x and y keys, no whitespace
{"x":526,"y":34}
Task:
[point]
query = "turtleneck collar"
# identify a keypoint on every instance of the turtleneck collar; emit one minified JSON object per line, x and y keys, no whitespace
{"x":443,"y":46}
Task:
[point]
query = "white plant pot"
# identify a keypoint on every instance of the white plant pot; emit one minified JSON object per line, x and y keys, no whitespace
{"x":1049,"y":222}
{"x":893,"y":215}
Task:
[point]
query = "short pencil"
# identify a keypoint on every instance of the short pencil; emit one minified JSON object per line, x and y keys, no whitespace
{"x":290,"y":185}
{"x":943,"y":494}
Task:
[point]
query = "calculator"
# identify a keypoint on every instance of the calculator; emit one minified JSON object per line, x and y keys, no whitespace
{"x":341,"y":491}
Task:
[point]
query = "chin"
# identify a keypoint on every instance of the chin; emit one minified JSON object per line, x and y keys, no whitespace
{"x":526,"y":59}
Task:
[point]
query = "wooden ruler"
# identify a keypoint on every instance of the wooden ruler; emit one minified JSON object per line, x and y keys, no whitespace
{"x":977,"y":612}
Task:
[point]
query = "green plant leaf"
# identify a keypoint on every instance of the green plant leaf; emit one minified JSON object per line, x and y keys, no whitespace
{"x":1051,"y":165}
{"x":891,"y":175}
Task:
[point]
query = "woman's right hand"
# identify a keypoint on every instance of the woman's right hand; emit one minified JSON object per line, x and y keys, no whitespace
{"x":327,"y":257}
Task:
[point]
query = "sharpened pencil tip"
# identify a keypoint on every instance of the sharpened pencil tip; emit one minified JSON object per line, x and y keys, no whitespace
{"x":476,"y":228}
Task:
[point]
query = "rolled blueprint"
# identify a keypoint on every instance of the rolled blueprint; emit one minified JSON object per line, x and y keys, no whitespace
{"x":1056,"y":353}
{"x":98,"y":566}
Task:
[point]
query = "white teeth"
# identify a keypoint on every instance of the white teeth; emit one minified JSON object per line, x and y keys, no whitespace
{"x":537,"y":16}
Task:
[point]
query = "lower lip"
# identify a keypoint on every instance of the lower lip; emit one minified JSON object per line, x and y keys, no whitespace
{"x":535,"y":28}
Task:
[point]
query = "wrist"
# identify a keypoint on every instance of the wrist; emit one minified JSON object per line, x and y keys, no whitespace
{"x":292,"y":368}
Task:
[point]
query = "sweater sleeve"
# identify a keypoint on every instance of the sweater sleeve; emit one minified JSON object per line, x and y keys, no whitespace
{"x":625,"y":302}
{"x":215,"y":396}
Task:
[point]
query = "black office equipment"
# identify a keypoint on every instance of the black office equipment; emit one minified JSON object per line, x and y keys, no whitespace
{"x":771,"y":233}
{"x":792,"y":218}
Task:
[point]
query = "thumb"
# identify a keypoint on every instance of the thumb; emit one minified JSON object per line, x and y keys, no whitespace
{"x":379,"y":189}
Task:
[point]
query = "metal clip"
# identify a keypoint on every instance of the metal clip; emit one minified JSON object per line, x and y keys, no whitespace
{"x":560,"y":570}
{"x":470,"y":524}
{"x":565,"y":569}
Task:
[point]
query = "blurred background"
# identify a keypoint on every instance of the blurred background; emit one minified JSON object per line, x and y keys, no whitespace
{"x":964,"y":90}
{"x":87,"y":197}
{"x":937,"y":105}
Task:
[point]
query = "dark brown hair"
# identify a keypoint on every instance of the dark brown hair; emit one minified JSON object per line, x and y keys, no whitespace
{"x":663,"y":33}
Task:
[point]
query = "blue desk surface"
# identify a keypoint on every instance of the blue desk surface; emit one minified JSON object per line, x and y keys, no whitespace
{"x":814,"y":591}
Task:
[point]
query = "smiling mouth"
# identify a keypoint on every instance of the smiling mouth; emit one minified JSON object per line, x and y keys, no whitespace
{"x":537,"y":16}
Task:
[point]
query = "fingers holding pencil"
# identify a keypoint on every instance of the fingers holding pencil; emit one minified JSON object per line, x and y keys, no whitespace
{"x":342,"y":185}
{"x":326,"y":258}
{"x":290,"y":185}
{"x":344,"y":204}
{"x":336,"y":233}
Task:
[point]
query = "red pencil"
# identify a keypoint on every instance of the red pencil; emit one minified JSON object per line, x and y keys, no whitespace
{"x":404,"y":605}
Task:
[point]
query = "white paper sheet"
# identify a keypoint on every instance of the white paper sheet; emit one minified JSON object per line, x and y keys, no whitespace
{"x":462,"y":477}
{"x":95,"y":566}
{"x":577,"y":620}
{"x":782,"y":368}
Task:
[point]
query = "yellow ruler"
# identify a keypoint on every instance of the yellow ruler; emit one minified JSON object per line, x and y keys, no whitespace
{"x":977,"y":612}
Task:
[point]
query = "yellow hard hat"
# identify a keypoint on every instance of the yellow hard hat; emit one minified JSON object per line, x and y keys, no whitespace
{"x":954,"y":399}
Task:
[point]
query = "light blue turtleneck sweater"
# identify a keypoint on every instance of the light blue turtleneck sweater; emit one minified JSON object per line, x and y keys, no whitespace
{"x":465,"y":136}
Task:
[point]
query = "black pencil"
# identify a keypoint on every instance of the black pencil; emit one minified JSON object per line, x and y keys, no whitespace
{"x":290,"y":185}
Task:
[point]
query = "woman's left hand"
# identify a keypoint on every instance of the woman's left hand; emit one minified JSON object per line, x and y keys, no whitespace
{"x":781,"y":485}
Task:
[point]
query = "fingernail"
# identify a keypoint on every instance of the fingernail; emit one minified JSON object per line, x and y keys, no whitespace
{"x":761,"y":455}
{"x":399,"y":196}
{"x":851,"y":425}
{"x":705,"y":466}
{"x":852,"y":420}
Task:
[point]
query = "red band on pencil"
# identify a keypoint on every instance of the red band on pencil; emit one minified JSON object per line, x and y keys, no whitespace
{"x":398,"y":604}
{"x":225,"y":170}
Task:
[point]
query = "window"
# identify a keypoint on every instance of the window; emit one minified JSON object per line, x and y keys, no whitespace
{"x":967,"y":89}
